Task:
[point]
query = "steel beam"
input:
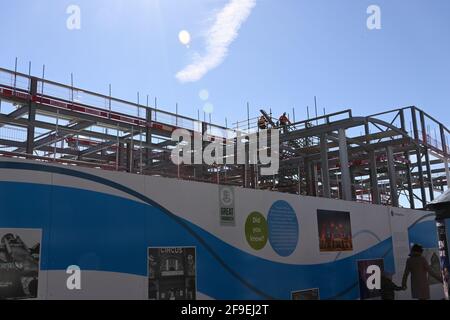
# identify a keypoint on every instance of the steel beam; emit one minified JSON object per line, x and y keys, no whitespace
{"x":11,"y":143}
{"x":16,"y":114}
{"x":104,"y":145}
{"x":318,"y":130}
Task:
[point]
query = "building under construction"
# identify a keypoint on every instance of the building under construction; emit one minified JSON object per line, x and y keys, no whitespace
{"x":88,"y":182}
{"x":398,"y":157}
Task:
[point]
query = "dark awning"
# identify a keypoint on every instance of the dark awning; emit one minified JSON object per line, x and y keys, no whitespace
{"x":441,"y":205}
{"x":444,"y":198}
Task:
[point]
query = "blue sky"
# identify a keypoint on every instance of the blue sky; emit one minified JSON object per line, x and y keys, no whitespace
{"x":285,"y":53}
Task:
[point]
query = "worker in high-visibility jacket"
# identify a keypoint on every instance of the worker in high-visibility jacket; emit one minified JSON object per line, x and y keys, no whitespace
{"x":262,"y":123}
{"x":284,"y":121}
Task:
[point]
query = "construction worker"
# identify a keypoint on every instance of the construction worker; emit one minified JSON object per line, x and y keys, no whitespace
{"x":262,"y":123}
{"x":284,"y":121}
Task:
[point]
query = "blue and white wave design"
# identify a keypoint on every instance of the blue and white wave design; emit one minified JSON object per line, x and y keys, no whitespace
{"x":103,"y":232}
{"x":424,"y":233}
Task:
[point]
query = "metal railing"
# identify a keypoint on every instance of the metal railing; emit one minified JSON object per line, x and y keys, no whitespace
{"x":65,"y":93}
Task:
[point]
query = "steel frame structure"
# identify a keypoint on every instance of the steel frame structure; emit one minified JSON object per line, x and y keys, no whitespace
{"x":388,"y":158}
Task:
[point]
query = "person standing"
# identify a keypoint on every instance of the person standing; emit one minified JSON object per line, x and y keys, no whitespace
{"x":418,"y":267}
{"x":284,"y":122}
{"x":262,"y":123}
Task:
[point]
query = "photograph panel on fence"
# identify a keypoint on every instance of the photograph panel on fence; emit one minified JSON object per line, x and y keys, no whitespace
{"x":19,"y":263}
{"x":335,"y":232}
{"x":172,"y":273}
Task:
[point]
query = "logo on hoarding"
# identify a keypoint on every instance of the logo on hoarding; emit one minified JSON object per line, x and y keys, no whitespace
{"x":256,"y":230}
{"x":226,"y":201}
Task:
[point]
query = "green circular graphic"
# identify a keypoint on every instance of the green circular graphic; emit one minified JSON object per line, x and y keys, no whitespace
{"x":256,"y":230}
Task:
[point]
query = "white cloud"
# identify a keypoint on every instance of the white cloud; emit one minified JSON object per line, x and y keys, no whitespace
{"x":218,"y":38}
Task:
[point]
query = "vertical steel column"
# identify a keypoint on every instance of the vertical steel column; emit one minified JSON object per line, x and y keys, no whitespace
{"x":309,"y":178}
{"x":148,"y":137}
{"x":324,"y":165}
{"x":31,"y":116}
{"x":402,"y":120}
{"x":421,"y":181}
{"x":244,"y":173}
{"x":128,"y":156}
{"x":408,"y":163}
{"x":345,"y":171}
{"x":392,"y":177}
{"x":447,"y":172}
{"x":353,"y":182}
{"x":446,"y":153}
{"x":374,"y":178}
{"x":117,"y":150}
{"x":130,"y":152}
{"x":409,"y":181}
{"x":121,"y":149}
{"x":443,"y":140}
{"x":251,"y":180}
{"x":419,"y":157}
{"x":427,"y":156}
{"x":423,"y":128}
{"x":430,"y":177}
{"x":414,"y":121}
{"x":315,"y":179}
{"x":299,"y":178}
{"x":374,"y":190}
{"x":200,"y":167}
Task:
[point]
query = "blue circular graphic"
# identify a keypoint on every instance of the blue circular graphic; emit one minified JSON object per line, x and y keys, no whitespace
{"x":283,"y":228}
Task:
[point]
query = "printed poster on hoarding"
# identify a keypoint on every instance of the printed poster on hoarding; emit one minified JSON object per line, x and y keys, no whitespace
{"x":19,"y":263}
{"x":335,"y":231}
{"x":172,"y":273}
